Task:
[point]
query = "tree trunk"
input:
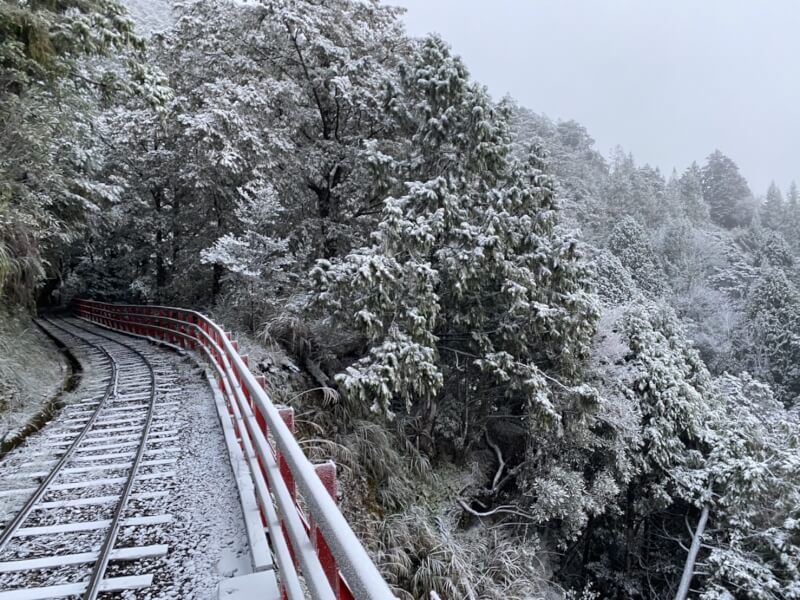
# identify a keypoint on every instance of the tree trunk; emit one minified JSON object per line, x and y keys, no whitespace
{"x":216,"y":269}
{"x":327,"y":208}
{"x":587,"y":546}
{"x":629,"y":526}
{"x":175,"y":240}
{"x":161,"y":271}
{"x":216,"y":280}
{"x":324,"y":212}
{"x":688,"y":569}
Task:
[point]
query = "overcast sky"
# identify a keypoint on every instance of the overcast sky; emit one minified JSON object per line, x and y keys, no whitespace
{"x":668,"y":80}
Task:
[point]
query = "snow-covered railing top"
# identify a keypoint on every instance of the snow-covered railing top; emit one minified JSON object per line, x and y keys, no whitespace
{"x":319,"y":548}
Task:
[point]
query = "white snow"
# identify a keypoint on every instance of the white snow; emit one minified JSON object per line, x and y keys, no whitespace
{"x":193,"y":509}
{"x":256,"y":585}
{"x":31,"y":373}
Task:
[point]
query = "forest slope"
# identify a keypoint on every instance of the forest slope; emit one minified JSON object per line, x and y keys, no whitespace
{"x":536,"y":363}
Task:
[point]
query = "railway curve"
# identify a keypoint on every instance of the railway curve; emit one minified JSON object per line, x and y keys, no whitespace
{"x":112,"y":497}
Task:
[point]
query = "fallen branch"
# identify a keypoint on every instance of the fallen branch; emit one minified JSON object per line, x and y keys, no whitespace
{"x":505,"y":509}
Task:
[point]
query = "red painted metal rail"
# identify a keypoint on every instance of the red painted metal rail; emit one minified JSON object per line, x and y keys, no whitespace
{"x":316,"y":553}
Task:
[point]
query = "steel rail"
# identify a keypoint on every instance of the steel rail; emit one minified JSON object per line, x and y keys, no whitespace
{"x":283,"y":555}
{"x":360,"y":572}
{"x":101,"y":564}
{"x":302,"y":546}
{"x":19,"y":519}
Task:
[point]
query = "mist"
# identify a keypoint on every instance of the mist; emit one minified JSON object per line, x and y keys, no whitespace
{"x":668,"y":81}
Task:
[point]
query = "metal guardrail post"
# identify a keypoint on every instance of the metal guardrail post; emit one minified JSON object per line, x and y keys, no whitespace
{"x":276,"y":461}
{"x":327,"y":474}
{"x":287,"y":414}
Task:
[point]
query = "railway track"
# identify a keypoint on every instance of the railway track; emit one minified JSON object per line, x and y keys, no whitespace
{"x":164,"y":476}
{"x":87,"y":501}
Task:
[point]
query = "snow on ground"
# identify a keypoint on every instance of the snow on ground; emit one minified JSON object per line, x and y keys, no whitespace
{"x":32,"y":370}
{"x":206,"y":537}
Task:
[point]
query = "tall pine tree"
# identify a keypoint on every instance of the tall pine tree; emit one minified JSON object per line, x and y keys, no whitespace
{"x":726,"y":192}
{"x":468,"y":288}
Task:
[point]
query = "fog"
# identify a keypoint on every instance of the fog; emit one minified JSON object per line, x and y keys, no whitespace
{"x":669,"y":81}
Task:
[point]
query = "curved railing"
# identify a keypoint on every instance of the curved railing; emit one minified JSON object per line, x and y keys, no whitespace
{"x":315,"y":551}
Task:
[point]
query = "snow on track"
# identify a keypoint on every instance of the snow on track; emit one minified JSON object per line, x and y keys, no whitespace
{"x":181,"y":530}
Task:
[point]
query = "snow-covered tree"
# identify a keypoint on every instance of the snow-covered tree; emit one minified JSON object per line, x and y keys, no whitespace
{"x":791,"y":225}
{"x":726,"y":192}
{"x":751,"y":546}
{"x":772,"y":250}
{"x":467,"y":279}
{"x":259,"y":262}
{"x":691,"y":194}
{"x":579,"y":168}
{"x":651,"y":372}
{"x":771,"y":340}
{"x":51,"y":81}
{"x":612,"y":281}
{"x":635,"y":192}
{"x":278,"y":95}
{"x":670,"y":381}
{"x":773,"y":211}
{"x":628,"y":241}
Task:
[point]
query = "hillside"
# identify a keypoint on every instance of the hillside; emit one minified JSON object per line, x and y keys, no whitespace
{"x":546,"y":371}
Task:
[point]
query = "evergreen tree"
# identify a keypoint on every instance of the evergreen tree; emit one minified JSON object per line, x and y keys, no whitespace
{"x":49,"y":89}
{"x":632,"y":191}
{"x":682,"y":250}
{"x":612,"y":281}
{"x":751,"y":547}
{"x":570,"y":151}
{"x":773,"y":211}
{"x":770,"y":347}
{"x":726,"y":192}
{"x":628,"y":241}
{"x":652,"y":366}
{"x":791,"y":225}
{"x":772,"y":250}
{"x":468,"y":285}
{"x":691,"y":194}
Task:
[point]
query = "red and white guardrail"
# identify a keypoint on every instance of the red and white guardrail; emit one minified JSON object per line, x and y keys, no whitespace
{"x":317,"y":546}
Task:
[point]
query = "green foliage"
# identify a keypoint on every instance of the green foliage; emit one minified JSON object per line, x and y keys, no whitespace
{"x":771,"y":340}
{"x":753,"y":547}
{"x":629,"y":242}
{"x":670,"y":383}
{"x":48,"y":88}
{"x":466,"y":266}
